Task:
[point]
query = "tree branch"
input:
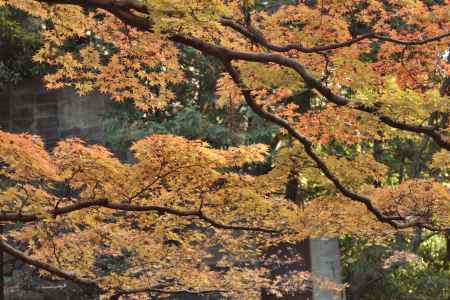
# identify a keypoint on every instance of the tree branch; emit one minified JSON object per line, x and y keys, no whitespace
{"x":4,"y":246}
{"x":104,"y":203}
{"x":308,"y":146}
{"x":257,"y":37}
{"x":229,"y":55}
{"x":122,"y":10}
{"x":91,"y":284}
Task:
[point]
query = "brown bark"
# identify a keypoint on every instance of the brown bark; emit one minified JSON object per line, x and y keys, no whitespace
{"x":32,"y":217}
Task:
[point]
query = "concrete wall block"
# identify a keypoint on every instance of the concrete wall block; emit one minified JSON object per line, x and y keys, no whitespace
{"x":4,"y":124}
{"x":69,"y":113}
{"x":47,"y":123}
{"x":48,"y":97}
{"x":4,"y":114}
{"x":80,"y":111}
{"x":22,"y":99}
{"x":95,"y":101}
{"x":4,"y":101}
{"x":22,"y":113}
{"x":30,"y":86}
{"x":52,"y":114}
{"x":73,"y":132}
{"x":91,"y":119}
{"x":69,"y":93}
{"x":49,"y":133}
{"x":47,"y":110}
{"x":4,"y":93}
{"x":4,"y":110}
{"x":22,"y":125}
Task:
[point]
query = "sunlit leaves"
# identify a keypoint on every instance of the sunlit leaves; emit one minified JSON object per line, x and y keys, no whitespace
{"x":103,"y":53}
{"x":23,"y":158}
{"x":186,"y":15}
{"x":441,"y":162}
{"x":406,"y":104}
{"x":417,"y":199}
{"x":170,"y":172}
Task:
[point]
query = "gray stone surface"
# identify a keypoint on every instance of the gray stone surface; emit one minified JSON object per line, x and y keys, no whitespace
{"x":325,"y":262}
{"x":52,"y":114}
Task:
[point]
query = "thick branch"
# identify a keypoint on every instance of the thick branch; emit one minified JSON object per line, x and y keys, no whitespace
{"x":308,"y":146}
{"x":123,"y":12}
{"x":228,"y":54}
{"x":91,"y":284}
{"x":256,"y":37}
{"x":33,"y":217}
{"x":44,"y":266}
{"x":120,"y":8}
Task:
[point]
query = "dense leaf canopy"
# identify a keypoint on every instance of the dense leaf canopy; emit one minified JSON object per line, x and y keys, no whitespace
{"x":377,"y":71}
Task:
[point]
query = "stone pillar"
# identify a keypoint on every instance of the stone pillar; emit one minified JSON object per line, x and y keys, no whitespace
{"x":325,"y":262}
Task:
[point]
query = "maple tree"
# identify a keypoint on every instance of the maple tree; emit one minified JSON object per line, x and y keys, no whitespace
{"x":377,"y":70}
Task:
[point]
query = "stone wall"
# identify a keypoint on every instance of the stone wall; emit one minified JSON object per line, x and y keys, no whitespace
{"x":52,"y":114}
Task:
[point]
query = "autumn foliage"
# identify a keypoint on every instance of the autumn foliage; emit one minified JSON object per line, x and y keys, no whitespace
{"x":375,"y":69}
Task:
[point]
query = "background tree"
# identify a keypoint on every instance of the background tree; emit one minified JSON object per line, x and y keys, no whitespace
{"x":19,"y":40}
